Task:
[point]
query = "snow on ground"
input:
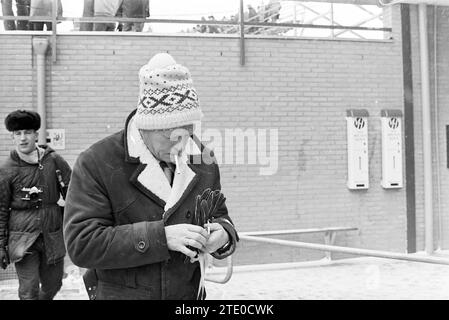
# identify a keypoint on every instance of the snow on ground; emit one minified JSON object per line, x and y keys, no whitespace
{"x":357,"y":278}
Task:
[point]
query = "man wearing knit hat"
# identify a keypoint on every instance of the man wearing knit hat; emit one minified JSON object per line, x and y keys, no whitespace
{"x":138,"y":201}
{"x":32,"y":180}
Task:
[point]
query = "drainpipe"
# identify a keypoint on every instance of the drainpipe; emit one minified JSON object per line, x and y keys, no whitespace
{"x":40,"y":46}
{"x":427,"y":138}
{"x":242,"y":34}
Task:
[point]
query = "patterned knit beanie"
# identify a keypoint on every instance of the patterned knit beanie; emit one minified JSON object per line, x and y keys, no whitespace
{"x":167,"y":98}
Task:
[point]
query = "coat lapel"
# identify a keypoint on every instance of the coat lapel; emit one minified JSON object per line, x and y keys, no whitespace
{"x":144,"y":189}
{"x":150,"y":179}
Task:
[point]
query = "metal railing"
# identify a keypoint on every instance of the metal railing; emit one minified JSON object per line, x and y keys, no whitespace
{"x":241,"y":24}
{"x":255,"y":236}
{"x":347,"y":250}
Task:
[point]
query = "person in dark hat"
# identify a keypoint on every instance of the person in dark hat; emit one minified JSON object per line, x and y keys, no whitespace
{"x":32,"y":180}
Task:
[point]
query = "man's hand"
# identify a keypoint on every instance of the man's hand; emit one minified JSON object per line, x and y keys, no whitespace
{"x":218,"y":237}
{"x":180,"y":236}
{"x":4,"y":258}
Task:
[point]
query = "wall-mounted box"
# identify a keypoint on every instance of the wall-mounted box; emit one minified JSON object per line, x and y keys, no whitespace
{"x":56,"y":138}
{"x":357,"y":136}
{"x":391,"y":122}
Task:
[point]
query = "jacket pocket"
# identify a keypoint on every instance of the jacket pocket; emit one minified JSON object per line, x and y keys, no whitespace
{"x":112,"y":291}
{"x":54,"y":246}
{"x":18,"y":244}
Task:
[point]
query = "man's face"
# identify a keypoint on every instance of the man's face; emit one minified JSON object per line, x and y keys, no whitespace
{"x":25,"y":140}
{"x":165,"y":144}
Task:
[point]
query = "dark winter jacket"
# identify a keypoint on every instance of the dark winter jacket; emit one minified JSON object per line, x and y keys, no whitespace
{"x":119,"y":202}
{"x":21,"y":221}
{"x":135,"y":8}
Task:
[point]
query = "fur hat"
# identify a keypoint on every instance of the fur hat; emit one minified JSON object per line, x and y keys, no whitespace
{"x":167,"y":98}
{"x":23,"y":120}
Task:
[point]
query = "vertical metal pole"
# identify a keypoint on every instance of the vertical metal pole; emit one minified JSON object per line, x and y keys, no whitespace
{"x":54,"y":13}
{"x":427,"y":128}
{"x":437,"y":126}
{"x":294,"y":19}
{"x":40,"y":46}
{"x":242,"y":35}
{"x":409,"y":128}
{"x":332,"y":20}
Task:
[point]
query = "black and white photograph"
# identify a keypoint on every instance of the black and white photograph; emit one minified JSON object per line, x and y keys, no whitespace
{"x":240,"y":152}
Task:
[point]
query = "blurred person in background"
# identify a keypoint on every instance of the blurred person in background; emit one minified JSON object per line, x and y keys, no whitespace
{"x":106,"y":9}
{"x":43,"y":8}
{"x":134,"y":9}
{"x":23,"y":9}
{"x":88,"y":12}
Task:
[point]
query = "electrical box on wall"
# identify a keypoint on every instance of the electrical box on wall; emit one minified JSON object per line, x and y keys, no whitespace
{"x":391,"y":149}
{"x":357,"y":135}
{"x":56,"y":138}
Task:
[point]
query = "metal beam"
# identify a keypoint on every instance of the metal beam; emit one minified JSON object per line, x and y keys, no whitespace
{"x":362,"y":22}
{"x":40,"y":46}
{"x":54,"y":24}
{"x":423,"y":2}
{"x":355,"y":2}
{"x":295,"y":231}
{"x":409,"y":127}
{"x":427,"y":126}
{"x":242,"y":34}
{"x":266,"y":24}
{"x":324,"y":15}
{"x":354,"y":251}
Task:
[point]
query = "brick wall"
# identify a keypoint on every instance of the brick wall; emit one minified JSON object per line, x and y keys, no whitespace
{"x":16,"y":79}
{"x":302,"y":88}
